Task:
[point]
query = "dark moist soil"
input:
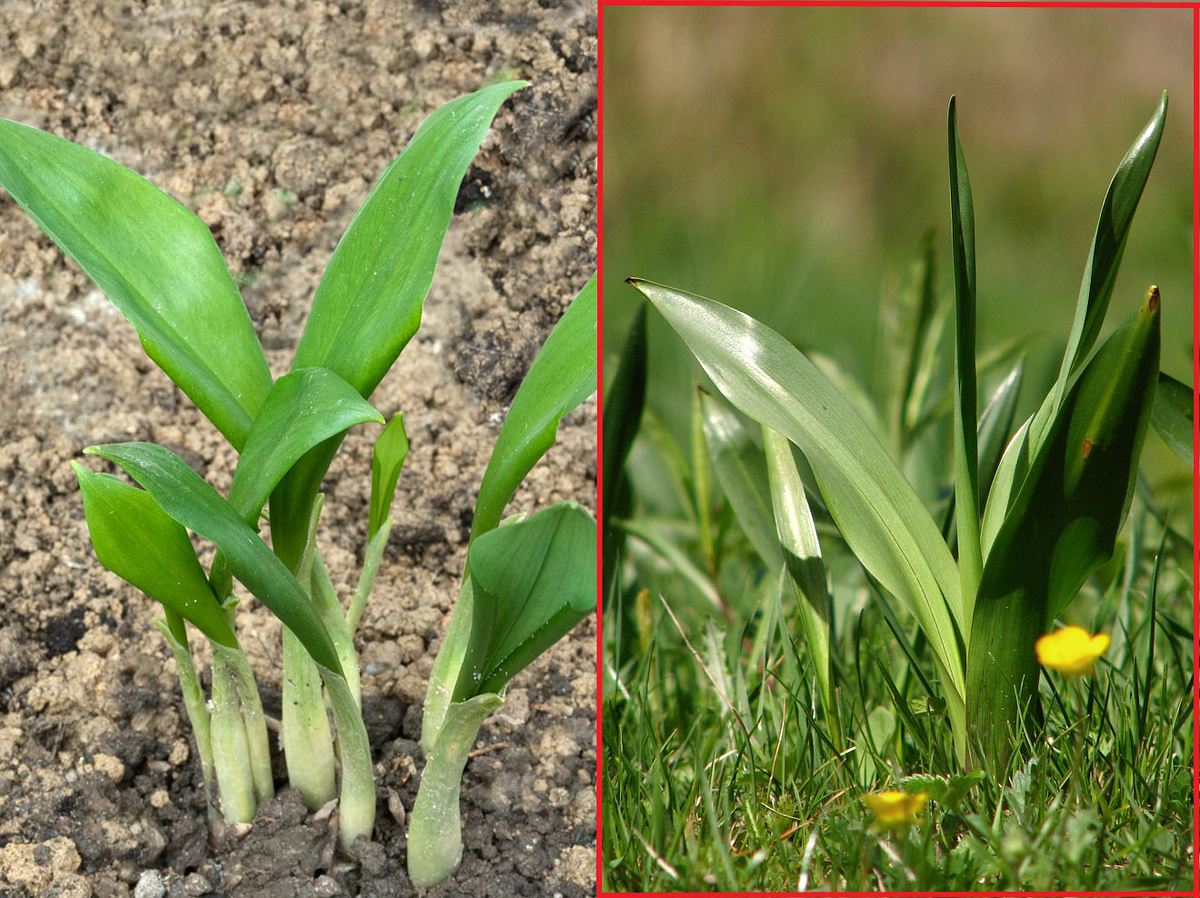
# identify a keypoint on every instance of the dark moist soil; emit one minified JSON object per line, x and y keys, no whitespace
{"x":271,"y":121}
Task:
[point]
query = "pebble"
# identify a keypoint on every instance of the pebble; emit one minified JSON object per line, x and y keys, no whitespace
{"x":149,"y":885}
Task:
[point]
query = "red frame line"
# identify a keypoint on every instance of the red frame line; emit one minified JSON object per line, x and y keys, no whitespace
{"x":995,"y":4}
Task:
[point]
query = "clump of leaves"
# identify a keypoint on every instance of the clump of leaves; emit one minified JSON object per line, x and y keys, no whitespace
{"x":159,"y":265}
{"x":1028,"y":525}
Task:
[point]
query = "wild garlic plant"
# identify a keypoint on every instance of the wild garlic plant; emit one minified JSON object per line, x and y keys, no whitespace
{"x":158,"y":263}
{"x":1027,"y":525}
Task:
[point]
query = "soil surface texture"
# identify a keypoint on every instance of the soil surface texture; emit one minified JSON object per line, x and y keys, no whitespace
{"x":271,"y":120}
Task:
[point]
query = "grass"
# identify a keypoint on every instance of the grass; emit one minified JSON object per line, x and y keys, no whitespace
{"x":719,"y":774}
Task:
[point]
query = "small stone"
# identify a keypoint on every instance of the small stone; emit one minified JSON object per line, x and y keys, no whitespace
{"x":159,"y":799}
{"x":109,"y":766}
{"x":69,"y":885}
{"x":395,"y":805}
{"x":179,"y":753}
{"x":327,"y":887}
{"x":195,"y":884}
{"x":149,"y":885}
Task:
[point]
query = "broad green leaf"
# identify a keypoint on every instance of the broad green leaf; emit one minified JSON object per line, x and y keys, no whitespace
{"x":136,"y":540}
{"x":154,"y":259}
{"x":742,"y":472}
{"x":1174,"y":416}
{"x":624,"y":400}
{"x":187,"y":497}
{"x":562,"y":375}
{"x":304,"y":408}
{"x":533,"y":580}
{"x":805,"y":570}
{"x":1063,"y":524}
{"x":875,"y":508}
{"x":387,"y":458}
{"x":368,"y":303}
{"x":1099,"y":278}
{"x":966,"y":452}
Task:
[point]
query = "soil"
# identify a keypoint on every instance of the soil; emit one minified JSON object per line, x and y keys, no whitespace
{"x":271,"y":120}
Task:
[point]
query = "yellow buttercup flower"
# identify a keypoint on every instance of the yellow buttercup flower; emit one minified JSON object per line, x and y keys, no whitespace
{"x":1071,"y":650}
{"x":895,"y":810}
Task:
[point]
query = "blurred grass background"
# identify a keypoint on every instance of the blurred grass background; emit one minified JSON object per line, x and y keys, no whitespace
{"x":788,"y":162}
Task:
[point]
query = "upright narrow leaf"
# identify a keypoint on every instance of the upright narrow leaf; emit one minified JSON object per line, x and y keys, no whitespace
{"x":387,"y":458}
{"x":154,"y":259}
{"x":966,"y":452}
{"x":187,"y":497}
{"x":1062,"y":525}
{"x":995,"y":424}
{"x":136,"y":540}
{"x":1174,"y":416}
{"x":368,"y":304}
{"x":562,"y":375}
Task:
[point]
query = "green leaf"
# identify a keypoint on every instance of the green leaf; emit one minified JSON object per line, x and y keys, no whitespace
{"x":1099,"y":278}
{"x":304,"y":408}
{"x":562,"y":375}
{"x":742,"y":472}
{"x":996,"y":423}
{"x":797,"y":534}
{"x":624,"y":400}
{"x":187,"y":497}
{"x":368,"y":304}
{"x":966,"y":452}
{"x":136,"y":540}
{"x":1062,"y":526}
{"x":1174,"y":416}
{"x":533,"y":580}
{"x":154,"y":259}
{"x":387,"y":458}
{"x":877,"y":511}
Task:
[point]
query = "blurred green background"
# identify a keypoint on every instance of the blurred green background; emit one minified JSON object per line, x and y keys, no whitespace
{"x":789,"y":161}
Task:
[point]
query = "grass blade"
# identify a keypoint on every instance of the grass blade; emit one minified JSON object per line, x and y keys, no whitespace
{"x":187,"y":497}
{"x":966,"y":452}
{"x":156,"y":262}
{"x":562,"y":375}
{"x":995,"y":424}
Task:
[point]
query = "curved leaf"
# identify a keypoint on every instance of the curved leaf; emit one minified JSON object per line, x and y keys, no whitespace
{"x":304,"y":408}
{"x":532,"y":580}
{"x":876,"y":509}
{"x":1174,"y":416}
{"x":387,"y":458}
{"x":187,"y":497}
{"x":562,"y":375}
{"x":136,"y":540}
{"x":154,"y":259}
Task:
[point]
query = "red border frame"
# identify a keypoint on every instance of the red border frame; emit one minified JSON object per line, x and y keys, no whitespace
{"x":1195,"y":7}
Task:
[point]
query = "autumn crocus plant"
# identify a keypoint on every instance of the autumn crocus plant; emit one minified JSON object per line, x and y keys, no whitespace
{"x":1027,"y":525}
{"x":159,"y":265}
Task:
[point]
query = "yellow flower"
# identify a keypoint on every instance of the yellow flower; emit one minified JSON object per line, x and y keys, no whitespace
{"x":1071,"y":650}
{"x":895,"y":810}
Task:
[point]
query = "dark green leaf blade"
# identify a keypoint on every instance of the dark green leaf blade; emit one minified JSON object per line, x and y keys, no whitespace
{"x":533,"y":580}
{"x":966,"y":452}
{"x":1174,"y":416}
{"x":995,"y":424}
{"x":187,"y":497}
{"x":1063,"y":524}
{"x":387,"y":458}
{"x":154,"y":259}
{"x":136,"y":540}
{"x":304,"y":408}
{"x":368,"y":304}
{"x":562,"y":375}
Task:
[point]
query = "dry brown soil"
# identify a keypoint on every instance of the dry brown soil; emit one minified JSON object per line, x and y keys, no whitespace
{"x":271,"y":121}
